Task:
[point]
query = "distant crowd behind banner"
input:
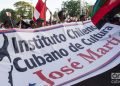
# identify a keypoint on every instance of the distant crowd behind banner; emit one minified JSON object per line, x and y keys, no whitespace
{"x":58,"y":55}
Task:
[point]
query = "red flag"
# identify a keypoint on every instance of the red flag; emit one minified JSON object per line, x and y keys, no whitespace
{"x":40,"y":11}
{"x":111,"y":7}
{"x":43,"y":12}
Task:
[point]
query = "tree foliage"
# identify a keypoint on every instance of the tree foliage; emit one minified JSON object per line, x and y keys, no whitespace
{"x":73,"y":7}
{"x":24,"y":9}
{"x":4,"y":17}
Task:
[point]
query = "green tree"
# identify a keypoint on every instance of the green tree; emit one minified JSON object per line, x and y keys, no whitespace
{"x":4,"y":17}
{"x":72,"y":7}
{"x":24,"y":9}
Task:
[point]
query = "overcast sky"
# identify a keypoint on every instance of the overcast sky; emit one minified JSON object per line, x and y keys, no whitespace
{"x":53,"y":5}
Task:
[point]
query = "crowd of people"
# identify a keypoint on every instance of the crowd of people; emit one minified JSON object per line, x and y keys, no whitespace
{"x":62,"y":19}
{"x":22,"y":24}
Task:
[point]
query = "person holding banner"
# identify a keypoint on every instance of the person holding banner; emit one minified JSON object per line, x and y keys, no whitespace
{"x":83,"y":18}
{"x":39,"y":22}
{"x":7,"y":25}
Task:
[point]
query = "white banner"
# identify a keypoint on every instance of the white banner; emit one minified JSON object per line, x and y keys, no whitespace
{"x":59,"y":55}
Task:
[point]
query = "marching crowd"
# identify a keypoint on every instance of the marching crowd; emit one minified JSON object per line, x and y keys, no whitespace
{"x":40,"y":22}
{"x":62,"y":19}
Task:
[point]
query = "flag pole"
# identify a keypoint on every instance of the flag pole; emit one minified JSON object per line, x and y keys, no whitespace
{"x":50,"y":16}
{"x":49,"y":12}
{"x":45,"y":12}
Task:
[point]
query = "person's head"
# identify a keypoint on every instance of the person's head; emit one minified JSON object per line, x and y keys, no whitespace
{"x":7,"y":24}
{"x":32,"y":24}
{"x":39,"y":22}
{"x":82,"y":18}
{"x":116,"y":20}
{"x":61,"y":15}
